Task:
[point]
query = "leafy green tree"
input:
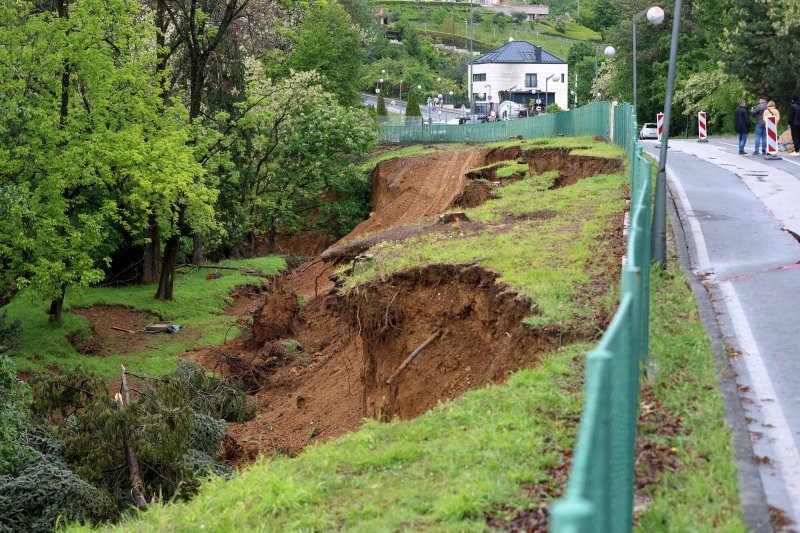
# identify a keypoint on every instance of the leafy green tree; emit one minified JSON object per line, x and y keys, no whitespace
{"x":763,"y":47}
{"x":412,"y":105}
{"x":305,"y":146}
{"x":327,"y":42}
{"x":382,"y":106}
{"x":92,"y":152}
{"x":561,"y":26}
{"x":606,"y":14}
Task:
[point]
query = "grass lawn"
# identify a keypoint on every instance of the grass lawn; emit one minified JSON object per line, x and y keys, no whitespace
{"x":574,"y":31}
{"x":198,"y":306}
{"x":494,"y":452}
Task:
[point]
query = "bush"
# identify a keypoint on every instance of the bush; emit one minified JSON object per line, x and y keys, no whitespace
{"x":382,"y":106}
{"x":412,"y":106}
{"x":203,"y":465}
{"x":519,"y":17}
{"x":554,"y":108}
{"x":44,"y":493}
{"x":213,"y":396}
{"x":561,"y":26}
{"x":10,"y":332}
{"x":207,"y":434}
{"x":14,"y":399}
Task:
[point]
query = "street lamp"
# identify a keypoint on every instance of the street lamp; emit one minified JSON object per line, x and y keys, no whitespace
{"x":401,"y":91}
{"x":488,"y":97}
{"x":660,"y":203}
{"x":609,"y":53}
{"x":655,"y":16}
{"x":546,"y":92}
{"x":452,"y":102}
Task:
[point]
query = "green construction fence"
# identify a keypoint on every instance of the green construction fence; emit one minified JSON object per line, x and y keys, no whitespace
{"x":600,"y":489}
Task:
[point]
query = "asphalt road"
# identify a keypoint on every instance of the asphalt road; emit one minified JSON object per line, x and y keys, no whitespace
{"x":400,"y":108}
{"x":739,"y":214}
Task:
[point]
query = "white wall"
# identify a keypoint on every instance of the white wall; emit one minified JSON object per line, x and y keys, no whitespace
{"x":511,"y":76}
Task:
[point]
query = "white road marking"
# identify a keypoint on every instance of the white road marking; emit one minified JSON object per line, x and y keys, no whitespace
{"x":773,"y":420}
{"x":703,"y":263}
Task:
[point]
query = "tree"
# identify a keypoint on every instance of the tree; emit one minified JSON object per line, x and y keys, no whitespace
{"x":305,"y":146}
{"x":201,"y":27}
{"x":561,"y":26}
{"x":327,"y":42}
{"x":382,"y":106}
{"x":412,"y":105}
{"x":89,"y":147}
{"x":763,"y":48}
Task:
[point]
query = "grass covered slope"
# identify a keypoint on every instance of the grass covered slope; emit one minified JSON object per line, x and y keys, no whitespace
{"x":496,"y":453}
{"x":199,"y":306}
{"x":548,"y":243}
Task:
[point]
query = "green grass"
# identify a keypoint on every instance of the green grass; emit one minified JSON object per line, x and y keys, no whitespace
{"x":494,"y":448}
{"x":574,"y":31}
{"x":547,"y":258}
{"x":440,"y":472}
{"x":702,"y":494}
{"x":198,"y":305}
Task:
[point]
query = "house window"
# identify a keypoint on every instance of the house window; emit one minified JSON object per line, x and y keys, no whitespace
{"x":530,"y":80}
{"x":479,"y":77}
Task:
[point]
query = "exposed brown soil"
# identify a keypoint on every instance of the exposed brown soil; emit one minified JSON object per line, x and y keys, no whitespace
{"x":482,"y":336}
{"x":103,"y":340}
{"x":351,"y":344}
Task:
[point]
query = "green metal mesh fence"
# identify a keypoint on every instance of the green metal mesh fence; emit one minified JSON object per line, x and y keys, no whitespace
{"x":599,"y":493}
{"x":592,"y":119}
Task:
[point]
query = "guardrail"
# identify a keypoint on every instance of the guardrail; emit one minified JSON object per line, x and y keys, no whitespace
{"x":592,"y":119}
{"x":599,"y":491}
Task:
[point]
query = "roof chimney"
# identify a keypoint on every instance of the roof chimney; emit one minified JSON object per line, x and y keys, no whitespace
{"x":537,"y":53}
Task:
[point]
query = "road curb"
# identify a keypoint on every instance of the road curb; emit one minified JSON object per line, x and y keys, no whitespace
{"x":753,"y":502}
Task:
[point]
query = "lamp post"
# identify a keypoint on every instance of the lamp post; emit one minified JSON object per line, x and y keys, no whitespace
{"x":655,"y":16}
{"x":401,"y":91}
{"x":660,"y":203}
{"x":546,"y":92}
{"x":452,"y":102}
{"x":489,"y":97}
{"x":609,"y":53}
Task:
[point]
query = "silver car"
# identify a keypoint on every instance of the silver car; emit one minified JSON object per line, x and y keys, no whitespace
{"x":649,"y":131}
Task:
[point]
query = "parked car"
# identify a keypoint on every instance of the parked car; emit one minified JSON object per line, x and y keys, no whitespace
{"x":649,"y":131}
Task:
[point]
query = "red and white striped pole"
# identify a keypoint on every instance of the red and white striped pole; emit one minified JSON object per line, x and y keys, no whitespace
{"x":771,"y":122}
{"x":660,"y":126}
{"x":702,"y":132}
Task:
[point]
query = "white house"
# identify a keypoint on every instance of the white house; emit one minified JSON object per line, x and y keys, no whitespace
{"x":523,"y":72}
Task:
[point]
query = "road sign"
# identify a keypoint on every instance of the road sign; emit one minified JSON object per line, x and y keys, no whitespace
{"x":538,"y":101}
{"x":489,"y":98}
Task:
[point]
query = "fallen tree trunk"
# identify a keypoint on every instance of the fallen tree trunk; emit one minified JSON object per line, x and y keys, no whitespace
{"x":137,"y":487}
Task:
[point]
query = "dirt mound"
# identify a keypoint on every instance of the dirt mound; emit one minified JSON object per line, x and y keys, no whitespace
{"x":275,"y":317}
{"x":103,"y":340}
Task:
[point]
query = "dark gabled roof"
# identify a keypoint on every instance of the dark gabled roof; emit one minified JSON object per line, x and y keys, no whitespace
{"x":518,"y":52}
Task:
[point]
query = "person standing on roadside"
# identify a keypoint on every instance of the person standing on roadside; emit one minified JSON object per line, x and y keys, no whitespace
{"x":741,"y":122}
{"x":761,"y":133}
{"x":794,"y":124}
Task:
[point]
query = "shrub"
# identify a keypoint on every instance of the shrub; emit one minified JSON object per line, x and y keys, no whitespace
{"x":207,"y":434}
{"x":412,"y":106}
{"x":14,"y":399}
{"x":10,"y":332}
{"x":561,"y":26}
{"x":519,"y":17}
{"x":44,"y":493}
{"x":382,"y":106}
{"x":212,"y":395}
